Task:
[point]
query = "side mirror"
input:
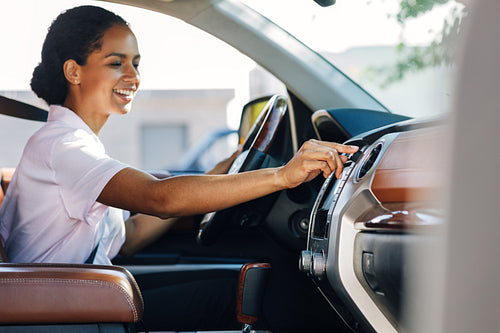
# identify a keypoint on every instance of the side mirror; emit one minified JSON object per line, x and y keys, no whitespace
{"x":251,"y":112}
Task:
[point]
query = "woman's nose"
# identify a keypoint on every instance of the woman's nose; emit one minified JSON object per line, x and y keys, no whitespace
{"x":131,"y":74}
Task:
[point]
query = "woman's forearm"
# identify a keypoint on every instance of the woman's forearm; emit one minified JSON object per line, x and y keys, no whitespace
{"x":188,"y":195}
{"x":142,"y":230}
{"x":138,"y":191}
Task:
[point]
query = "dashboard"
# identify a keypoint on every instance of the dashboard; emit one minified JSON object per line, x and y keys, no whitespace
{"x":364,"y":224}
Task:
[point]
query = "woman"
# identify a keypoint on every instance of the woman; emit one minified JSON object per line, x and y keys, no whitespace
{"x":64,"y":202}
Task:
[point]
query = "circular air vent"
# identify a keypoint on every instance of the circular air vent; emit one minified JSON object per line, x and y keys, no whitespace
{"x":369,"y":161}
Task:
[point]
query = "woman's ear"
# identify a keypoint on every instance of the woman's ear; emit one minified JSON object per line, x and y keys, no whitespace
{"x":72,"y":71}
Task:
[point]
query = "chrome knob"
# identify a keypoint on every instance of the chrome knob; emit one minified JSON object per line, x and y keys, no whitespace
{"x":305,"y":261}
{"x":318,"y":265}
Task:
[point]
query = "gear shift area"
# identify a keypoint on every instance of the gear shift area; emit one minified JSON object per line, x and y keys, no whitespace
{"x":251,"y":287}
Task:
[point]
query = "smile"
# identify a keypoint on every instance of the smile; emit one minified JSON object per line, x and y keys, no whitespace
{"x":124,"y":92}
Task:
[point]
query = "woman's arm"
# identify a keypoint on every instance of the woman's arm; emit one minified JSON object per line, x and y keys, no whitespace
{"x":137,"y":191}
{"x":142,"y":230}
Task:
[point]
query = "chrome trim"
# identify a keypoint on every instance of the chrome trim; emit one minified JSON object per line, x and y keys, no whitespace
{"x":319,"y":199}
{"x":352,"y":198}
{"x":403,"y":220}
{"x":355,"y":198}
{"x":366,"y":156}
{"x":295,"y":141}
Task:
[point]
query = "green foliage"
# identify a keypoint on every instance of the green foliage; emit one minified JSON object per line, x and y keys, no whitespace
{"x":413,"y":59}
{"x":415,"y":8}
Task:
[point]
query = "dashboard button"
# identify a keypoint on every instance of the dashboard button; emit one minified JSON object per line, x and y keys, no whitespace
{"x":354,"y":157}
{"x":368,"y":265}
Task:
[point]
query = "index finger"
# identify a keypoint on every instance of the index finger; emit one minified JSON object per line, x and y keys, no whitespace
{"x":340,"y":147}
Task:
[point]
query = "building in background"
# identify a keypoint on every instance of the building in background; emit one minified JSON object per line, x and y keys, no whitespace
{"x":161,"y":127}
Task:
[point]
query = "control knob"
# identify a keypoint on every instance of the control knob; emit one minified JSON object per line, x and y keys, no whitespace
{"x":305,"y":261}
{"x":318,"y":265}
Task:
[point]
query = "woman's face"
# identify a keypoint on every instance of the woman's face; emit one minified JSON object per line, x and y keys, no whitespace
{"x":110,"y":78}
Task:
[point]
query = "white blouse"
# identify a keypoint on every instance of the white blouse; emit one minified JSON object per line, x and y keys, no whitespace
{"x":50,"y":212}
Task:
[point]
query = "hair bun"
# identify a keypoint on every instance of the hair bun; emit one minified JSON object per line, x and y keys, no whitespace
{"x":38,"y":81}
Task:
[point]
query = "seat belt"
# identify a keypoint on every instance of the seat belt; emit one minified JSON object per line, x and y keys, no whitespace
{"x":90,"y":259}
{"x":14,"y":108}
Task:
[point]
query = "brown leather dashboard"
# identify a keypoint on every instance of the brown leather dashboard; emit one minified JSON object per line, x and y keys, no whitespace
{"x":409,"y":169}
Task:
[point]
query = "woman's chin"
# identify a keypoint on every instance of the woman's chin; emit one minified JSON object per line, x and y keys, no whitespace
{"x":123,"y":109}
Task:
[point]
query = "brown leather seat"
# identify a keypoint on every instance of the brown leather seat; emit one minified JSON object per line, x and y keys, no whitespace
{"x":58,"y":294}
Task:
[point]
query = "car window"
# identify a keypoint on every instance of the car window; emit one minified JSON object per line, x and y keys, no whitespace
{"x":193,"y":86}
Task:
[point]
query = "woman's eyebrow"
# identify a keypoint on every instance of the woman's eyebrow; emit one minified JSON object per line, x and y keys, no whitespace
{"x":121,"y":55}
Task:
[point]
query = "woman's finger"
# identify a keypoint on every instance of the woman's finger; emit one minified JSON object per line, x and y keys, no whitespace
{"x":334,"y":159}
{"x":312,"y":168}
{"x":327,"y":155}
{"x":347,"y":149}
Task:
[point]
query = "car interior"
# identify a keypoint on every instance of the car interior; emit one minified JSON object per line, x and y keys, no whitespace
{"x":380,"y":195}
{"x":326,"y":256}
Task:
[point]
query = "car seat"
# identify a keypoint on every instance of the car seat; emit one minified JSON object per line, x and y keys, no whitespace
{"x":64,"y":297}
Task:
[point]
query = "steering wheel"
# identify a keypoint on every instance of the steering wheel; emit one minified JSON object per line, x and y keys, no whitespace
{"x":254,"y":155}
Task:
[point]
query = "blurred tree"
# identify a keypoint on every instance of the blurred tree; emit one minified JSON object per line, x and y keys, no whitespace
{"x":416,"y":58}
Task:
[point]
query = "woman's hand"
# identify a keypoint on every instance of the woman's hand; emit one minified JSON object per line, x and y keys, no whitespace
{"x":313,"y":158}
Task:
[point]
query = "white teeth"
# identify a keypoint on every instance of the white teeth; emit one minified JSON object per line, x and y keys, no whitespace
{"x":125,"y":92}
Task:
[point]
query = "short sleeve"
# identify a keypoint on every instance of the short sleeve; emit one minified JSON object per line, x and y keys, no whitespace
{"x":82,"y":169}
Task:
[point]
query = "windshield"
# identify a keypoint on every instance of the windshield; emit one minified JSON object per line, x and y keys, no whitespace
{"x":385,"y":46}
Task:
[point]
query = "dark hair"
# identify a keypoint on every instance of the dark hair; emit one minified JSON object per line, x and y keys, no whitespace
{"x":74,"y":34}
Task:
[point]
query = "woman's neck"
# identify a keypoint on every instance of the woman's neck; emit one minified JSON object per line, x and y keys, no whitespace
{"x":94,"y":120}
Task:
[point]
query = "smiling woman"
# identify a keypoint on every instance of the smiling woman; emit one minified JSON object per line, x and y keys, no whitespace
{"x":108,"y":80}
{"x":99,"y":68}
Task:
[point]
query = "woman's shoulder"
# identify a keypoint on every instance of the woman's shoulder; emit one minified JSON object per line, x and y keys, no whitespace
{"x":53,"y":132}
{"x":56,"y":137}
